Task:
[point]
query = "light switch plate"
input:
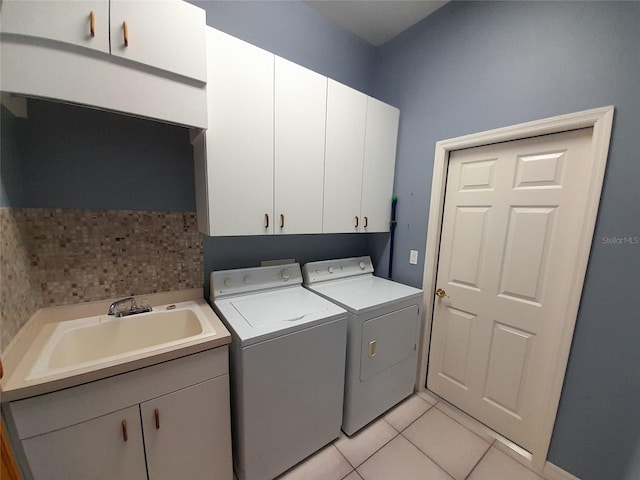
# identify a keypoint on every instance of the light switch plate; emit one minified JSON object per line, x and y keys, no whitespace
{"x":413,"y":257}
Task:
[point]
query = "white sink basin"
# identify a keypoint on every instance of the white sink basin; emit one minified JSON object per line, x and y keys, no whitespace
{"x":76,"y":344}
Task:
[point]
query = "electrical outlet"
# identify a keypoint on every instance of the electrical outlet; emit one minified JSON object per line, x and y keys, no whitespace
{"x":413,"y":257}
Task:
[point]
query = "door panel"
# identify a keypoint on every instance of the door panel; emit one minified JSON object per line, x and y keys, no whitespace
{"x":468,"y":245}
{"x":512,"y":219}
{"x":456,"y":346}
{"x":529,"y":234}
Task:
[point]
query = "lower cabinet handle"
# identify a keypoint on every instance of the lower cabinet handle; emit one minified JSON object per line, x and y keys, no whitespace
{"x":125,"y":434}
{"x":357,"y":221}
{"x":266,"y":220}
{"x":125,"y":33}
{"x":157,"y":415}
{"x":366,"y":222}
{"x":281,"y":220}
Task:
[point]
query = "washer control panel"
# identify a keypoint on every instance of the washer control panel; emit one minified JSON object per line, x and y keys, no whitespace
{"x":245,"y":280}
{"x":314,"y":272}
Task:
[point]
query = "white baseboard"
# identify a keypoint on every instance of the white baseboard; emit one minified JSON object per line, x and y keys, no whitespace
{"x":553,"y":472}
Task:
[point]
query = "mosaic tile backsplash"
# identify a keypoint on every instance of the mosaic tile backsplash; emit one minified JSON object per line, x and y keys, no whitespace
{"x":56,"y":257}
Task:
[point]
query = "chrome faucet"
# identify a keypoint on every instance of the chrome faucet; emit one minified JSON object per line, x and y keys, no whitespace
{"x":133,"y":307}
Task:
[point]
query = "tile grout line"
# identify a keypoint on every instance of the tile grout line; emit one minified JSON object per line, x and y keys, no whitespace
{"x":480,"y":459}
{"x":376,"y":450}
{"x":422,"y":452}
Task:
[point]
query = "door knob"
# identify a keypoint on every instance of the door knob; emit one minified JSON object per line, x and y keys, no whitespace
{"x":441,"y":293}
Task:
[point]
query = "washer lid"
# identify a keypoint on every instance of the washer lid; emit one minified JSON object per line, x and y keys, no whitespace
{"x":365,"y":292}
{"x":260,"y":316}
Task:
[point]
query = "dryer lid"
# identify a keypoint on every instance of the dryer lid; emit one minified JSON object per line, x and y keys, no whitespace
{"x":365,"y":292}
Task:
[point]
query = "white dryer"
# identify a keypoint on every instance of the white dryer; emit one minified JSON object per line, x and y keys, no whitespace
{"x":287,"y":362}
{"x":382,"y":339}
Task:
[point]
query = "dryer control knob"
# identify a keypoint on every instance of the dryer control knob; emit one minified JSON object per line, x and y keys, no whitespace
{"x":247,"y":279}
{"x":284,"y":274}
{"x":330,"y":269}
{"x":362,"y":265}
{"x":227,"y":282}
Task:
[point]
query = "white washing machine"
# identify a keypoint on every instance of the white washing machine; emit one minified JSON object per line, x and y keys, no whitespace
{"x":382,"y":339}
{"x":287,"y":362}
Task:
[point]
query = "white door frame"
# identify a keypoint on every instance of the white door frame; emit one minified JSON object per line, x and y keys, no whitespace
{"x":601,"y":119}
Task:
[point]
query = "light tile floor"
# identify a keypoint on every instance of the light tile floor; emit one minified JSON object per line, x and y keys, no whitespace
{"x":420,"y":439}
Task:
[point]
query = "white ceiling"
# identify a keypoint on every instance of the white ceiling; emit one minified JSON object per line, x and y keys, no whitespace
{"x":375,"y":21}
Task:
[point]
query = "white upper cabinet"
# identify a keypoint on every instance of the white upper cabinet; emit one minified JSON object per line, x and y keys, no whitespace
{"x":360,"y":161}
{"x":75,"y":52}
{"x":300,"y":115}
{"x":346,"y":122}
{"x":238,"y":193}
{"x":169,"y":35}
{"x":289,"y":151}
{"x":82,"y":23}
{"x":381,"y":137}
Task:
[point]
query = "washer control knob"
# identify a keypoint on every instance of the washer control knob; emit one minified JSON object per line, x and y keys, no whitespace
{"x":284,"y":274}
{"x":247,"y":279}
{"x":330,"y":269}
{"x":362,"y":265}
{"x":227,"y":282}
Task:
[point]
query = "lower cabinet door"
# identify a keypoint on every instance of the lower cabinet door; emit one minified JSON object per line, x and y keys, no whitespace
{"x":187,"y":433}
{"x":106,"y":447}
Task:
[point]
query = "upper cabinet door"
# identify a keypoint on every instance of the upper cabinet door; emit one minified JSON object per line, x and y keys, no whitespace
{"x":239,"y":141}
{"x":379,"y":165}
{"x":169,"y":35}
{"x":300,"y":115}
{"x":83,"y":23}
{"x":346,"y":117}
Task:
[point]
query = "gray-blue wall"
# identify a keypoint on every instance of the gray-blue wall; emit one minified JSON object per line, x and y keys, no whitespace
{"x":481,"y":65}
{"x":11,"y":187}
{"x":76,"y":157}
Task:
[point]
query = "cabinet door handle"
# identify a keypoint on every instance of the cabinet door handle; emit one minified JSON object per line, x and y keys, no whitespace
{"x":125,"y":434}
{"x":357,"y":221}
{"x":266,"y":220}
{"x":366,"y":222}
{"x":92,"y":23}
{"x":156,"y":413}
{"x":125,"y":33}
{"x":282,"y":220}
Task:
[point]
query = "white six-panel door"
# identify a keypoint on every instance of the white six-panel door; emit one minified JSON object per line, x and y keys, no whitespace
{"x":512,"y":219}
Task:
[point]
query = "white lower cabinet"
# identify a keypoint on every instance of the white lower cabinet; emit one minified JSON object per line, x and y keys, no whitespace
{"x":181,"y":428}
{"x":176,"y":425}
{"x":92,"y":449}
